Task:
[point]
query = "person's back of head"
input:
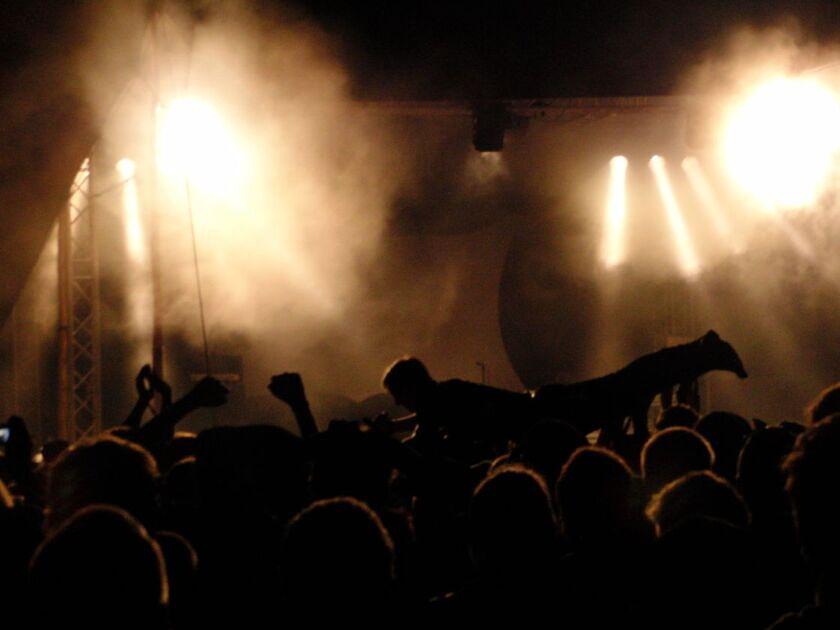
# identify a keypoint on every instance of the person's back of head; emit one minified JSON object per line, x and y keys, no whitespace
{"x":511,"y":521}
{"x":824,"y":405}
{"x":672,"y":453}
{"x":52,"y":449}
{"x":547,"y":446}
{"x":182,"y":445}
{"x":104,"y":470}
{"x":760,"y":478}
{"x":709,"y":567}
{"x":20,"y":531}
{"x":727,"y":433}
{"x":697,"y":495}
{"x":813,"y":482}
{"x":99,"y":569}
{"x":407,"y":379}
{"x":676,"y":416}
{"x":181,"y":563}
{"x":250,"y":472}
{"x":337,"y":556}
{"x":349,"y":462}
{"x":594,"y":496}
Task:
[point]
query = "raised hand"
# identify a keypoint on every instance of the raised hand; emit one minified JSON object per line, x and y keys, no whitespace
{"x":143,"y":384}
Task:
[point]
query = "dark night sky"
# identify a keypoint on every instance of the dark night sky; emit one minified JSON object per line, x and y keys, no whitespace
{"x":428,"y":49}
{"x":431,"y":49}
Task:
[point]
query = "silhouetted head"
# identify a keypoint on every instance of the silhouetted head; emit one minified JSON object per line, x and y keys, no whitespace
{"x":180,"y":498}
{"x":336,"y":553}
{"x":511,"y":521}
{"x":594,"y":496}
{"x":701,"y":494}
{"x":721,"y":354}
{"x":408,"y":380}
{"x":20,"y":534}
{"x":250,"y":472}
{"x":52,"y":449}
{"x":761,"y":479}
{"x":676,"y":416}
{"x":181,"y":563}
{"x":99,"y":570}
{"x":121,"y":431}
{"x":352,"y":463}
{"x":727,"y":433}
{"x":672,"y":453}
{"x":824,"y":405}
{"x":813,"y":482}
{"x":102,"y":470}
{"x":182,"y":445}
{"x":548,"y":445}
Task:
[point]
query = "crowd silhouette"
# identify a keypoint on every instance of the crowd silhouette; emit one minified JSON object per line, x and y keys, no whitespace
{"x":560,"y":506}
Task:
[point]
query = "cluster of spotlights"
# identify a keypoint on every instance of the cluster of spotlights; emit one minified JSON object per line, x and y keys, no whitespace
{"x":779,"y":146}
{"x":614,"y":241}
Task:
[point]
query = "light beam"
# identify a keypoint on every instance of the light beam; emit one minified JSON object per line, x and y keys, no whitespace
{"x":135,"y":242}
{"x":684,"y":248}
{"x":613,"y":246}
{"x":711,"y":206}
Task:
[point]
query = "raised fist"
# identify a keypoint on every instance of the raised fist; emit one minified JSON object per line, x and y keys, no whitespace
{"x":288,"y":387}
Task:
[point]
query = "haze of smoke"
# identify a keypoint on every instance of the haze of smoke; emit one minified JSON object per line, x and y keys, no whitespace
{"x":282,"y":252}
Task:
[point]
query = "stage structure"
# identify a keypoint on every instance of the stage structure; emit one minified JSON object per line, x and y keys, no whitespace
{"x":80,"y":356}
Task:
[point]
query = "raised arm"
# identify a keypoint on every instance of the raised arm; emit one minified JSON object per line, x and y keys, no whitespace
{"x":158,"y":431}
{"x":145,"y":393}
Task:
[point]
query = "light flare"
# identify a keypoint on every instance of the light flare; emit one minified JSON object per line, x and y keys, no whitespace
{"x":779,"y":145}
{"x":195,"y":143}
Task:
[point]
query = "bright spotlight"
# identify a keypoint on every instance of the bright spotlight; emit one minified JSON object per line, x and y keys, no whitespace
{"x":780,"y":143}
{"x":682,"y":241}
{"x":613,"y":245}
{"x":194,"y":143}
{"x":125,"y":168}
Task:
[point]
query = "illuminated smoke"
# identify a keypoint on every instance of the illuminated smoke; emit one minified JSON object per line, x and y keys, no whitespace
{"x":714,"y":211}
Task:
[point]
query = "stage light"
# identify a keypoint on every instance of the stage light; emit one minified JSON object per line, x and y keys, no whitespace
{"x":684,"y":248}
{"x":194,"y":143}
{"x":490,"y":122}
{"x":708,"y":199}
{"x":134,"y":240}
{"x":780,"y":143}
{"x":126,"y":168}
{"x":483,"y":169}
{"x":613,"y":245}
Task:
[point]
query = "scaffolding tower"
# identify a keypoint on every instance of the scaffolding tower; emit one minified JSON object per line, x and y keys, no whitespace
{"x":80,"y":357}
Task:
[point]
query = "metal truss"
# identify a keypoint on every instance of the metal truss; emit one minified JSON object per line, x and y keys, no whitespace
{"x":80,"y":400}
